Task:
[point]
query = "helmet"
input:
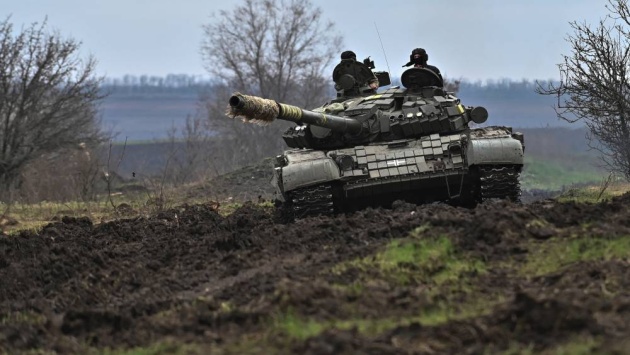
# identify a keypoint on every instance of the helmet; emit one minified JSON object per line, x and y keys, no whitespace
{"x":424,"y":57}
{"x":348,"y":55}
{"x":423,"y":54}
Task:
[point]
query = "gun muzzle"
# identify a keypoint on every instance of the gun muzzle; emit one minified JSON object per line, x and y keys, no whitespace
{"x":264,"y":111}
{"x":252,"y":108}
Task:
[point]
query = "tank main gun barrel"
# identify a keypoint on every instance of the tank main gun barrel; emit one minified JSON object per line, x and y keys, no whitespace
{"x":260,"y":110}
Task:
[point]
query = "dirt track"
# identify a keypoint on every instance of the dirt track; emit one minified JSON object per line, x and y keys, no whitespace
{"x":235,"y":284}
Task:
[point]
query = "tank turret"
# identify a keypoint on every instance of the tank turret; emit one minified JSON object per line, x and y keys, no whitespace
{"x":365,"y":148}
{"x":347,"y":121}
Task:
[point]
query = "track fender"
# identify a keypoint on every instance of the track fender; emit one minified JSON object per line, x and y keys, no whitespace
{"x":314,"y":168}
{"x":495,"y":150}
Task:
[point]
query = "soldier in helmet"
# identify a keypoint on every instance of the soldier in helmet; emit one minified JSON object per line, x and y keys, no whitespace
{"x":419,"y":58}
{"x":373,"y":82}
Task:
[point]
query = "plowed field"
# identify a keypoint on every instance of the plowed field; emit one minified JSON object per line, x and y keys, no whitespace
{"x":500,"y":278}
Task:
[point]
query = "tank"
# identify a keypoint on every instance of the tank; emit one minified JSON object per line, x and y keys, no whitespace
{"x":415,"y":142}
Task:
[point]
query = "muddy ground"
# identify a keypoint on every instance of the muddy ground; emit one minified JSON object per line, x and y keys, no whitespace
{"x":499,"y":278}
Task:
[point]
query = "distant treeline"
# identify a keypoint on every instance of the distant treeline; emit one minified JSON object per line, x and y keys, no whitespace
{"x":181,"y":83}
{"x":504,"y":89}
{"x":175,"y":83}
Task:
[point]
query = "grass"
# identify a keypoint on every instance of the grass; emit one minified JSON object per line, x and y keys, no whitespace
{"x":228,"y":208}
{"x":544,"y":174}
{"x":35,"y":216}
{"x":431,"y":260}
{"x":556,"y":253}
{"x":298,"y":327}
{"x":579,"y":346}
{"x":25,"y":317}
{"x":434,"y":259}
{"x":595,"y":193}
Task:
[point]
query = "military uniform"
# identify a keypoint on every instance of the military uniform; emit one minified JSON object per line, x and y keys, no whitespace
{"x":372,"y":83}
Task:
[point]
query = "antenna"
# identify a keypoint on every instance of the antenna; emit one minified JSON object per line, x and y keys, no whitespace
{"x":383,"y":48}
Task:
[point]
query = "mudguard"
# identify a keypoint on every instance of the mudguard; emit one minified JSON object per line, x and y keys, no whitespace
{"x":494,"y":151}
{"x":308,"y":168}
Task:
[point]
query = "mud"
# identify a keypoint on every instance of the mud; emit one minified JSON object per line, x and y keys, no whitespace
{"x":191,"y":276}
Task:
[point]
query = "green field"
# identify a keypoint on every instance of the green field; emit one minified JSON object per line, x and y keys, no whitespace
{"x":560,"y":174}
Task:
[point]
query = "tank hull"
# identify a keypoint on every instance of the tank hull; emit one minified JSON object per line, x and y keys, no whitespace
{"x":463,"y":168}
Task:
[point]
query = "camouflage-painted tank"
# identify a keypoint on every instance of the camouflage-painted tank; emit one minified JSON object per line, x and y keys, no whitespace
{"x":369,"y":149}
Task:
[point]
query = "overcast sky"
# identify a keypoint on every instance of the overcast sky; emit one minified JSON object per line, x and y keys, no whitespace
{"x":472,"y":39}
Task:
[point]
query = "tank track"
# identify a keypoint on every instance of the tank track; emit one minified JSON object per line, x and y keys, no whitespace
{"x":308,"y":202}
{"x":499,"y":182}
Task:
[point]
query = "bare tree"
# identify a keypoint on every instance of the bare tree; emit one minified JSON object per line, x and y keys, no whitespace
{"x":595,"y":87}
{"x":68,"y":175}
{"x":278,"y":49}
{"x":188,"y":151}
{"x":48,"y":98}
{"x":452,"y":85}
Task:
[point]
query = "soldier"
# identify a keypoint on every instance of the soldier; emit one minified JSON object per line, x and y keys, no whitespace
{"x":419,"y":58}
{"x":372,"y":83}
